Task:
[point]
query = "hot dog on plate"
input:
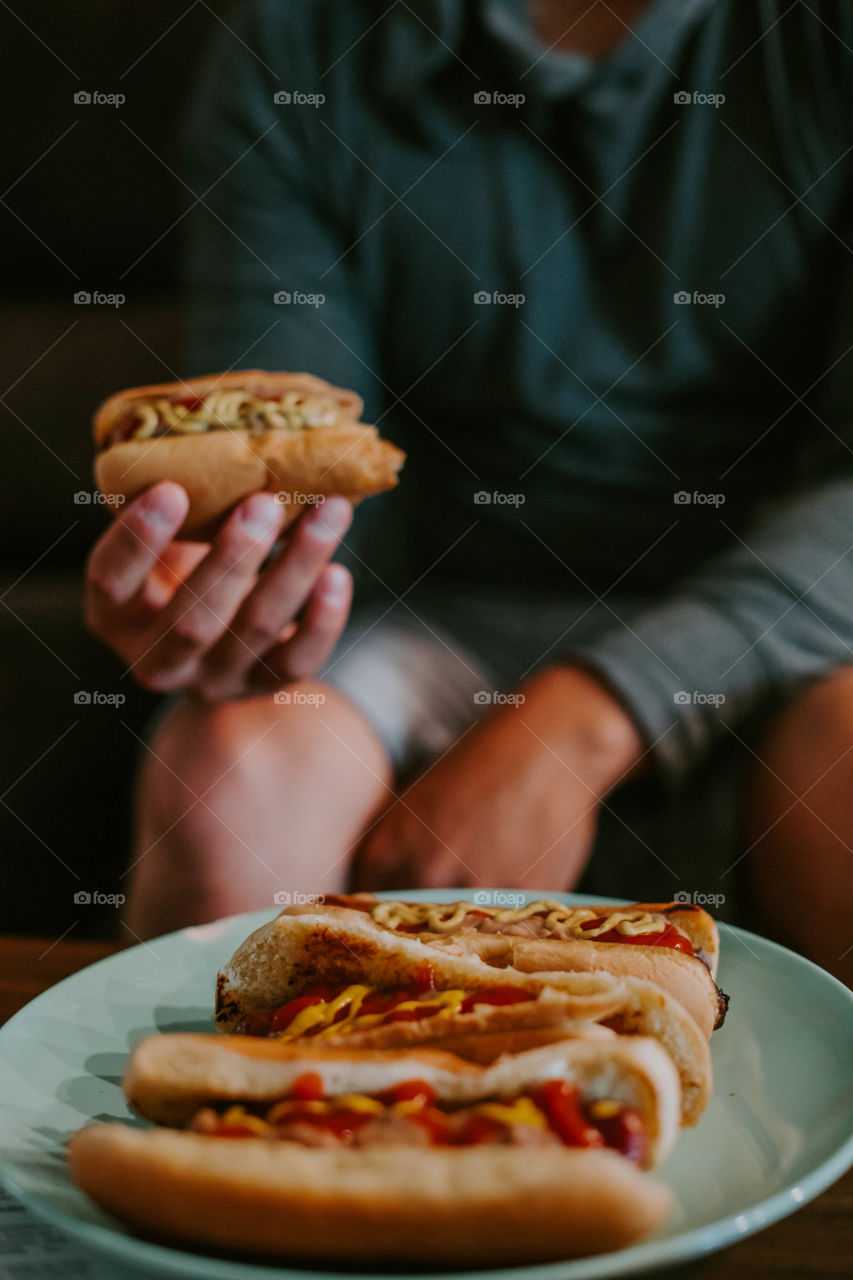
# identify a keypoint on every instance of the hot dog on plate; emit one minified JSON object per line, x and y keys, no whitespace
{"x":299,"y":1151}
{"x":673,"y":944}
{"x":330,"y":975}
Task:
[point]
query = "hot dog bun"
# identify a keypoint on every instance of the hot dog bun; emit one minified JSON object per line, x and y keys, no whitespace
{"x":218,"y":468}
{"x":686,"y":977}
{"x":335,"y":945}
{"x":439,"y":1205}
{"x":472,"y":1205}
{"x":683,"y":976}
{"x":169,"y":1077}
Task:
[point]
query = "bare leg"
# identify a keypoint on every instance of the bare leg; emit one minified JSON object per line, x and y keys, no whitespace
{"x":800,"y":825}
{"x":238,"y":801}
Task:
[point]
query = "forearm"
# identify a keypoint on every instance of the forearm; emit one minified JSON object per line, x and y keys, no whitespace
{"x":573,"y":713}
{"x":747,"y":630}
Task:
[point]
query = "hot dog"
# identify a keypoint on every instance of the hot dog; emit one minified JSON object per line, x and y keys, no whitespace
{"x":396,"y":1156}
{"x":332,"y":976}
{"x":672,"y":944}
{"x":225,"y":436}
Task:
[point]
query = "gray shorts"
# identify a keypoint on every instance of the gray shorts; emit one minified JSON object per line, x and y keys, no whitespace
{"x":421,"y":678}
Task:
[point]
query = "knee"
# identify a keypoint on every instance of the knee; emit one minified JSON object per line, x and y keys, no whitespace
{"x":209,"y":757}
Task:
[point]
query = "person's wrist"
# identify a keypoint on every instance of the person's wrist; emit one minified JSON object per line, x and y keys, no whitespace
{"x":591,"y":726}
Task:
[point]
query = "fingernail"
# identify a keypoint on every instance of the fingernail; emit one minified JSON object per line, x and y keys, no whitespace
{"x":335,"y":584}
{"x":261,"y":514}
{"x":165,"y":504}
{"x":330,"y":520}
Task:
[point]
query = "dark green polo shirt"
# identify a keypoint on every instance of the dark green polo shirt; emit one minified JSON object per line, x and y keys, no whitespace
{"x":605,"y":306}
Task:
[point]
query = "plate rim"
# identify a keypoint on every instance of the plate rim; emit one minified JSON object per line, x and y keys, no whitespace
{"x":696,"y":1242}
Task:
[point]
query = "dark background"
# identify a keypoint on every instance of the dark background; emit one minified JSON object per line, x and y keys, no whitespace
{"x":92,"y":200}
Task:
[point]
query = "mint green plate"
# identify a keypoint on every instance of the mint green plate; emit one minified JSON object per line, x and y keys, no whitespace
{"x":777,"y":1132}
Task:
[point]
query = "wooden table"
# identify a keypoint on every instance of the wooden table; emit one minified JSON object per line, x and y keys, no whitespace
{"x":815,"y":1242}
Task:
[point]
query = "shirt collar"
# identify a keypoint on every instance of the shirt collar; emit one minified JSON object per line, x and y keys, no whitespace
{"x":429,"y":36}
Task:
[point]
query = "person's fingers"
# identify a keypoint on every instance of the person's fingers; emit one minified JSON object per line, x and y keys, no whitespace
{"x":126,"y":553}
{"x":402,"y":852}
{"x":174,"y":567}
{"x":319,"y":629}
{"x":281,"y":592}
{"x":203,"y":606}
{"x":440,"y":869}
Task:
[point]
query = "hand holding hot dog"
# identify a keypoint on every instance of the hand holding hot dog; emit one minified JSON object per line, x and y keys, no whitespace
{"x":193,"y":617}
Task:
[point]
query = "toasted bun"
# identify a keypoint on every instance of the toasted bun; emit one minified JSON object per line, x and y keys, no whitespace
{"x":685,"y":977}
{"x":494,"y":1029}
{"x":648,"y":1010}
{"x":339,"y":945}
{"x":219,"y":468}
{"x":475,"y":1205}
{"x":483,"y":1047}
{"x":170,"y":1077}
{"x":282,"y":957}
